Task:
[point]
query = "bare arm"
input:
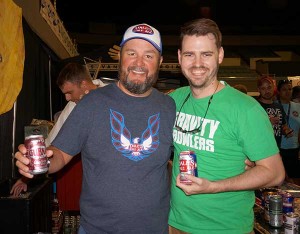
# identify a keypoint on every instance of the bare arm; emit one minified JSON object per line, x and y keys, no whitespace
{"x":267,"y":172}
{"x":58,"y":159}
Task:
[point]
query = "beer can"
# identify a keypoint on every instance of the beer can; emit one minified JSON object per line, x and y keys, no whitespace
{"x":275,"y":211}
{"x":291,"y":223}
{"x":288,"y":203}
{"x":187,"y":165}
{"x":266,"y":197}
{"x":36,"y":153}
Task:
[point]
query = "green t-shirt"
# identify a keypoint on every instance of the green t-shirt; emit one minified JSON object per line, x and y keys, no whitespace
{"x":236,"y":126}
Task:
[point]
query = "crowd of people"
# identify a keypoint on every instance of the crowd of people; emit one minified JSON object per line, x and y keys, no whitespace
{"x":127,"y":131}
{"x":280,"y":102}
{"x":289,"y":148}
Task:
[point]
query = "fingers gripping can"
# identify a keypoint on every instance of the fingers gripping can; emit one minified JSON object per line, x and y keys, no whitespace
{"x":187,"y":165}
{"x":36,"y":153}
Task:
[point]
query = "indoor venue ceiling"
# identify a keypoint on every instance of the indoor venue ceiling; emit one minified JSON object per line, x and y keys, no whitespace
{"x":97,"y":27}
{"x":247,"y":16}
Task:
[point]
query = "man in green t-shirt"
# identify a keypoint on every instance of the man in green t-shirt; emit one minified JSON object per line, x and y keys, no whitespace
{"x":223,"y":126}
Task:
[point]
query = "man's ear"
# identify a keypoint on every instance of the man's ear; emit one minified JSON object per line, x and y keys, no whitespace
{"x":221,"y":55}
{"x":83,"y":84}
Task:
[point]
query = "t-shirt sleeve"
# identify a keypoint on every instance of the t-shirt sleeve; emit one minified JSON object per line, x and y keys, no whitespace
{"x":256,"y":134}
{"x":74,"y":132}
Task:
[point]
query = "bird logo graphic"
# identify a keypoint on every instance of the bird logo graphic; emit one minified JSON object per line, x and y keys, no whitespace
{"x":137,"y":148}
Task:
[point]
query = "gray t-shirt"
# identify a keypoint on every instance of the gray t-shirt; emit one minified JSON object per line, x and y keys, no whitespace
{"x":125,"y":144}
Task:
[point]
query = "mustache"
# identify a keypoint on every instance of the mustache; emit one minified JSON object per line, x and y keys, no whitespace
{"x":137,"y":69}
{"x":199,"y":67}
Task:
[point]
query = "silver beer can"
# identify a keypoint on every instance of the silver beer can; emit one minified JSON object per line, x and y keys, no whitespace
{"x":275,"y":211}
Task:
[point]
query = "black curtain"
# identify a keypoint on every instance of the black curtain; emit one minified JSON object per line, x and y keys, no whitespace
{"x":33,"y":102}
{"x":6,"y":136}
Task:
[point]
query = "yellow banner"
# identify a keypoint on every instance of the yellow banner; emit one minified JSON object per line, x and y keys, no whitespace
{"x":12,"y":54}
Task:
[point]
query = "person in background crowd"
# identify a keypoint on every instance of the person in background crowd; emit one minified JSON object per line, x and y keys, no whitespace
{"x":241,"y":87}
{"x":296,"y":94}
{"x":296,"y":98}
{"x":222,"y":126}
{"x":74,"y":81}
{"x":124,"y":134}
{"x":266,"y":89}
{"x":290,"y":145}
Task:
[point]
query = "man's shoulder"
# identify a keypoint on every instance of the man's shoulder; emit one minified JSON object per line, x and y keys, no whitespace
{"x":70,"y":104}
{"x":163,"y":97}
{"x":182,"y":91}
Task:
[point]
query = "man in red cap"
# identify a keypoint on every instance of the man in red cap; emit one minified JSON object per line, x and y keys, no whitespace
{"x":266,"y":89}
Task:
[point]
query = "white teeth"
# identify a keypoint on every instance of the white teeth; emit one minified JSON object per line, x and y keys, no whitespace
{"x":198,"y":73}
{"x":138,"y":72}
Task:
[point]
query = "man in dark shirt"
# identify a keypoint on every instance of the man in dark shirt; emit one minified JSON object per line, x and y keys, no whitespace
{"x":266,"y":89}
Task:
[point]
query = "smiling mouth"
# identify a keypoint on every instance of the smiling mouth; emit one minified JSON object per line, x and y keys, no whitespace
{"x":198,"y":72}
{"x":138,"y":72}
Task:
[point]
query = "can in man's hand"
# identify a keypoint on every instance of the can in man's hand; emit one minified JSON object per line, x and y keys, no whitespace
{"x":187,"y":165}
{"x":36,"y":153}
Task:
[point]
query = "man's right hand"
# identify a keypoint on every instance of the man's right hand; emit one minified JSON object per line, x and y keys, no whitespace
{"x":22,"y":161}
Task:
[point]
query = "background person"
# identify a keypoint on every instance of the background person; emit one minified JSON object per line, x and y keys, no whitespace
{"x":223,"y":127}
{"x":296,"y":94}
{"x":74,"y":81}
{"x":277,"y":117}
{"x":290,"y":145}
{"x":241,"y":87}
{"x":124,"y":134}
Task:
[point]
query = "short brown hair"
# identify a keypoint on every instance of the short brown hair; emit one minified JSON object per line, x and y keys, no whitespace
{"x":201,"y":27}
{"x":74,"y":73}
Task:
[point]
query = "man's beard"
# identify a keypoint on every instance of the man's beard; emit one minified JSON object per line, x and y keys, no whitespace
{"x":267,"y":96}
{"x":137,"y":87}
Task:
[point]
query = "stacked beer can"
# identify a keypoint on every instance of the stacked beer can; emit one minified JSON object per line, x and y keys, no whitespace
{"x":279,"y":211}
{"x":291,"y":219}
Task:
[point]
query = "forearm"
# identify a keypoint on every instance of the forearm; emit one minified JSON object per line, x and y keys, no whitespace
{"x":267,"y":172}
{"x":58,"y":160}
{"x":255,"y":178}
